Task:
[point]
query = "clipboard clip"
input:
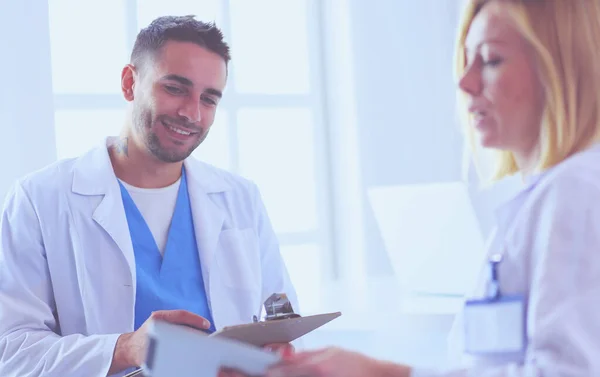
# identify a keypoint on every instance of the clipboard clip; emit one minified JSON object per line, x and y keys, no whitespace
{"x":277,"y":307}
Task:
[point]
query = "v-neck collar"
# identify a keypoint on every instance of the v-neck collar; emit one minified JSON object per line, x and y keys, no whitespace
{"x":140,"y":231}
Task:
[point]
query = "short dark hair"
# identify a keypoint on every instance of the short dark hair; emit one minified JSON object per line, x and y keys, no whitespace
{"x":151,"y":39}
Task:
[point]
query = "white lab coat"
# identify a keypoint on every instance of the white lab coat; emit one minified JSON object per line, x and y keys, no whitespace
{"x":67,"y":268}
{"x":549,"y":233}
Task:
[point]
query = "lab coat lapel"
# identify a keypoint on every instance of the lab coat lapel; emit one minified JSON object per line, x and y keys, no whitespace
{"x":208,"y":217}
{"x":94,"y":176}
{"x":110,"y":215}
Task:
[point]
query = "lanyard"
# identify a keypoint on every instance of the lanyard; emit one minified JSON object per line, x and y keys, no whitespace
{"x":493,"y":288}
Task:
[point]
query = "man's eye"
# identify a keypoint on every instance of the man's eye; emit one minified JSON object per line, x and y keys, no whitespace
{"x":173,"y":89}
{"x":209,"y":100}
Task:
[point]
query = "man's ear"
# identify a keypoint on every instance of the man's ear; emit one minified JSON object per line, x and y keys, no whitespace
{"x":128,"y":78}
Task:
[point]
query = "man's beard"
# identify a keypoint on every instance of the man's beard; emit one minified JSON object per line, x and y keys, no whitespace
{"x":143,"y":120}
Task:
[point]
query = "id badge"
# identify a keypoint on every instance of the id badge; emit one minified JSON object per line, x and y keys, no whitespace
{"x":495,"y":326}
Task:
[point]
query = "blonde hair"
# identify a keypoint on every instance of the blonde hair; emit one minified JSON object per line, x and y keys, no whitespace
{"x":565,"y":38}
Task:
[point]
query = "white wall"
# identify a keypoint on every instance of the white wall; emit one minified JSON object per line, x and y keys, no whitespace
{"x":26,"y":111}
{"x":405,"y":99}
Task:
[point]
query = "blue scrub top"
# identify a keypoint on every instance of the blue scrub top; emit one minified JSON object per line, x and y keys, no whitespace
{"x":172,"y":281}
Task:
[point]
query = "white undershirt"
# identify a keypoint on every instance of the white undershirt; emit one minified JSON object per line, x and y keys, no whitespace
{"x":157,"y":207}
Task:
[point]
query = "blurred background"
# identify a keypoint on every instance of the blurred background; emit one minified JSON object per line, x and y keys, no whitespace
{"x":342,"y":111}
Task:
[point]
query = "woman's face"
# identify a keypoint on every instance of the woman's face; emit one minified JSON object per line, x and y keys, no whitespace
{"x":505,"y":95}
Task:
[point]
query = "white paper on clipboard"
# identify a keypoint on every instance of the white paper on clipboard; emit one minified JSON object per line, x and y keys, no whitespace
{"x":181,"y":351}
{"x":275,"y":331}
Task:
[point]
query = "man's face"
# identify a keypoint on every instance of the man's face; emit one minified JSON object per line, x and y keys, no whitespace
{"x":175,"y":96}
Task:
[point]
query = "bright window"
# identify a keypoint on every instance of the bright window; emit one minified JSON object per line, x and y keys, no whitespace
{"x":269,"y":126}
{"x":88,"y":50}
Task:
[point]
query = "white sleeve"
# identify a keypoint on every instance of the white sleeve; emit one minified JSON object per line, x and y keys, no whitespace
{"x":29,"y":343}
{"x":562,"y":234}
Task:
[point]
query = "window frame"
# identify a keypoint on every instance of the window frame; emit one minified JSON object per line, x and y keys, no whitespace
{"x":233,"y":101}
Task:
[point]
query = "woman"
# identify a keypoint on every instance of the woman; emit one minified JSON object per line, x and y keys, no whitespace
{"x":529,"y":72}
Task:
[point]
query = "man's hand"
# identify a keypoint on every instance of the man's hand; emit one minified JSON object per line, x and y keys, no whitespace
{"x":130,"y":350}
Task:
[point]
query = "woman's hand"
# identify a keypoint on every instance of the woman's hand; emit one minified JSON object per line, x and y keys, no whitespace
{"x":335,"y":362}
{"x":282,"y":349}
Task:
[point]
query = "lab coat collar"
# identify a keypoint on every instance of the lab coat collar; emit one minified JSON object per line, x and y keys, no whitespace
{"x":203,"y":177}
{"x":514,"y":190}
{"x":514,"y":198}
{"x":94,"y":175}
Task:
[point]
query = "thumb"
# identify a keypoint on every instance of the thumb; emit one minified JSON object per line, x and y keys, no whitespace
{"x":182,"y":317}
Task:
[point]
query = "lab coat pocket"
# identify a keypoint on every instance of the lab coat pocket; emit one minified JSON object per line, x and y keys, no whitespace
{"x":238,"y":259}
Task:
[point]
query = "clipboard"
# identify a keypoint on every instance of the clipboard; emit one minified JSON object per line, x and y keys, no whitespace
{"x":286,"y":330}
{"x":135,"y":373}
{"x":281,"y":325}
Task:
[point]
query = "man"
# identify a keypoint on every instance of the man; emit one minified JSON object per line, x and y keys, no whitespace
{"x":94,"y":247}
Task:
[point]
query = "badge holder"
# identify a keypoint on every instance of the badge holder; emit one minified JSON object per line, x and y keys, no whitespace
{"x":496,"y":324}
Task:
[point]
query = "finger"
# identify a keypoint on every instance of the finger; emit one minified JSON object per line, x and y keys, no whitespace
{"x":306,"y":364}
{"x":302,"y":357}
{"x":304,"y":370}
{"x":226,"y":372}
{"x":182,"y":317}
{"x":284,"y":350}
